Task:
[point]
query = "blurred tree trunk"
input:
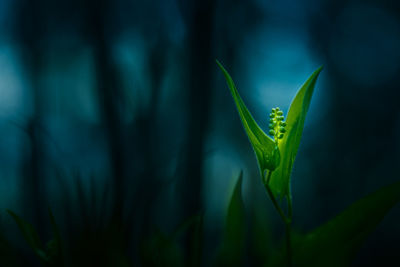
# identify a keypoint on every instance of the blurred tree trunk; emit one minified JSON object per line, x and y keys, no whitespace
{"x":108,"y":88}
{"x":201,"y":61}
{"x":199,"y":22}
{"x":31,"y":33}
{"x":147,"y":138}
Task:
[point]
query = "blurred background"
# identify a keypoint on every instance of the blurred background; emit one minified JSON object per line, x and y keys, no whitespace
{"x":116,"y":111}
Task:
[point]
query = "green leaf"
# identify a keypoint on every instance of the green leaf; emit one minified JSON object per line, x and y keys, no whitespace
{"x":289,"y":145}
{"x":28,"y":232}
{"x":266,"y":151}
{"x":194,"y":228}
{"x":54,"y":252}
{"x":233,"y":243}
{"x":336,"y":242}
{"x":31,"y":236}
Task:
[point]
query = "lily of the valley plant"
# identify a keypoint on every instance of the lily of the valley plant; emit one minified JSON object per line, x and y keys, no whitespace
{"x":335,"y":242}
{"x":276,"y":155}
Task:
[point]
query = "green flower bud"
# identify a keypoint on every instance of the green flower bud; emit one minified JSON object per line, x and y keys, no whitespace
{"x":276,"y":124}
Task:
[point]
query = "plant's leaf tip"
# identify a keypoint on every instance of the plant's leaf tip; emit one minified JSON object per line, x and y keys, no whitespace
{"x":220,"y":65}
{"x":10,"y":212}
{"x":239,"y":179}
{"x":320,"y":68}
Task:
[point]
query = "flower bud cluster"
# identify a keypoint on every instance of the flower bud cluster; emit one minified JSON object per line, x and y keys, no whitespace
{"x":276,"y":124}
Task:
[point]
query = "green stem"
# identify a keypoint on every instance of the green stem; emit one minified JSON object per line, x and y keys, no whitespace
{"x":290,"y":209}
{"x":286,"y":219}
{"x":288,"y":229}
{"x":271,"y":196}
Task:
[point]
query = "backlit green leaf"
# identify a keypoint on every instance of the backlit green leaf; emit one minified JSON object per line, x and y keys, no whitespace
{"x":336,"y":242}
{"x":31,"y":236}
{"x":28,"y":232}
{"x":266,"y":151}
{"x":55,"y":251}
{"x":232,"y":248}
{"x":289,"y":145}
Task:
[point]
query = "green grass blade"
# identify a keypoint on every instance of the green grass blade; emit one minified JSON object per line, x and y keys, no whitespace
{"x":31,"y":237}
{"x":336,"y":242}
{"x":289,"y":145}
{"x":29,"y":233}
{"x":264,"y":147}
{"x":56,"y":253}
{"x":232,"y":249}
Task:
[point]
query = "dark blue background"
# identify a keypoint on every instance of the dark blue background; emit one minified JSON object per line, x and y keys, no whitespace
{"x":126,"y":96}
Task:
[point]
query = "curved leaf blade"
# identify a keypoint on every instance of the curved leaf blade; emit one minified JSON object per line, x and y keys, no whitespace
{"x":289,"y":145}
{"x":28,"y":231}
{"x":264,"y":147}
{"x":31,"y":237}
{"x":233,"y":243}
{"x":56,"y":253}
{"x":336,"y":242}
